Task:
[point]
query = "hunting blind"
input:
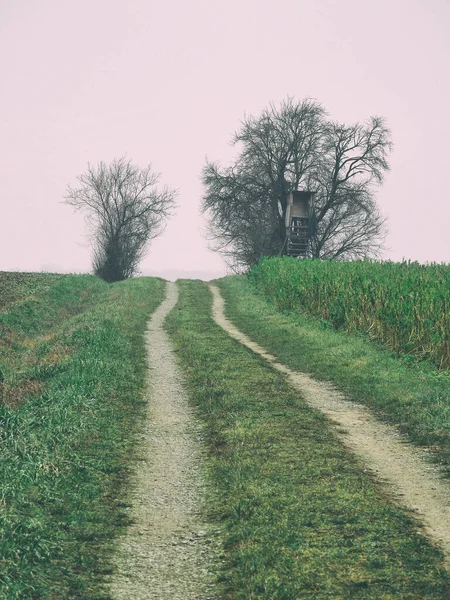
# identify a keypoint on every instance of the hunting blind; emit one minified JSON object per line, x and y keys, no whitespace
{"x":300,"y":222}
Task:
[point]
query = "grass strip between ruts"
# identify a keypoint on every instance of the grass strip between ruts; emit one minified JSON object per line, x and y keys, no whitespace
{"x":299,"y":517}
{"x":413,"y":396}
{"x":65,"y":449}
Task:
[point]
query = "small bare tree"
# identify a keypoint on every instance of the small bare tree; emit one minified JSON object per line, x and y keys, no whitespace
{"x":125,"y":211}
{"x":282,"y":150}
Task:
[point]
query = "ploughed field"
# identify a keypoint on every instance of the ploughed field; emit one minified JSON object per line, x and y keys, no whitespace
{"x":297,"y":515}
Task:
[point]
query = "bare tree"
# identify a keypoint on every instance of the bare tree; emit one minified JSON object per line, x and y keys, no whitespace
{"x":243,"y":223}
{"x":352,"y":163}
{"x":283,"y":150}
{"x":125,"y":211}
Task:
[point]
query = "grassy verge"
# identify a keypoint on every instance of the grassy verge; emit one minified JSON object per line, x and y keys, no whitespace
{"x":66,"y":438}
{"x":299,"y":517}
{"x":17,"y":287}
{"x":415,"y":397}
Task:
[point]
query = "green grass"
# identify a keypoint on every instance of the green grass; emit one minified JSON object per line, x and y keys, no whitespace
{"x":73,"y":361}
{"x":415,"y":397}
{"x":17,"y":287}
{"x":299,"y":518}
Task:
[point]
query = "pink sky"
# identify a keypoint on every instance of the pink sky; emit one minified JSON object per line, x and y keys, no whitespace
{"x":168,"y":83}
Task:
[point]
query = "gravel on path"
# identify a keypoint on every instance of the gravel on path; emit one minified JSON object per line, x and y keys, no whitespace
{"x":168,"y":552}
{"x":409,"y":477}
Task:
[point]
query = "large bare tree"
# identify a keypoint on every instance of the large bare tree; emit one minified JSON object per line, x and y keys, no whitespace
{"x":125,"y":211}
{"x":352,"y":163}
{"x":285,"y":149}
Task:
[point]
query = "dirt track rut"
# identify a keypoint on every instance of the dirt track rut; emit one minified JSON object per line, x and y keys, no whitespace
{"x":168,"y":552}
{"x":414,"y":482}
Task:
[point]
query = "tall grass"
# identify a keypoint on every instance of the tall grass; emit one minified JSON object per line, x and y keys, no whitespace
{"x":404,"y":305}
